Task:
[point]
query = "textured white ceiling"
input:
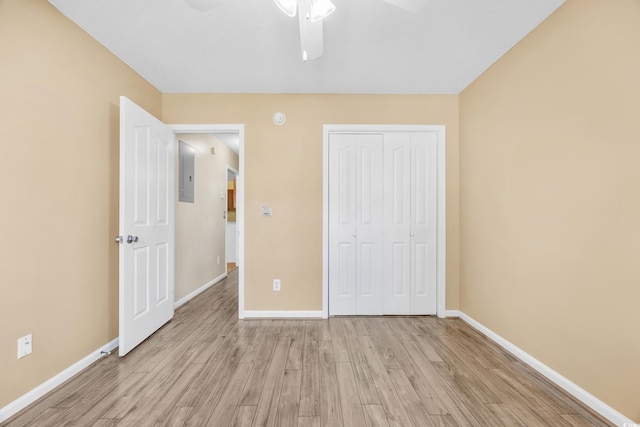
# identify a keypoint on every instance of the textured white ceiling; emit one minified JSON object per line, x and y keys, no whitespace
{"x":249,"y":46}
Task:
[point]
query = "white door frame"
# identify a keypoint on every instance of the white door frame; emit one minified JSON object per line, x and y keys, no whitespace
{"x":441,"y":239}
{"x":239,"y":129}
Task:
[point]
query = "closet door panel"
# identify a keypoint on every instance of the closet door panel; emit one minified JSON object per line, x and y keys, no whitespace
{"x":382,"y":223}
{"x":355,"y":224}
{"x":397,"y":247}
{"x":369,"y":225}
{"x":423,"y":223}
{"x":342,"y":224}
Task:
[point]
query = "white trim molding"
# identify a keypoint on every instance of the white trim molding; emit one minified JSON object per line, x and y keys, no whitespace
{"x":441,"y":234}
{"x":198,"y":291}
{"x":452,"y":313}
{"x":285,"y":314}
{"x":27,"y":399}
{"x":564,"y":383}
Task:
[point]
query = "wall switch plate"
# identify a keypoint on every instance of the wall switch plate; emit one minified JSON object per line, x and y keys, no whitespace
{"x":276,"y":285}
{"x":218,"y":259}
{"x":25,"y":345}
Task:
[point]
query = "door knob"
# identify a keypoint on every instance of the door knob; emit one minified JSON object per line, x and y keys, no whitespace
{"x":132,"y":239}
{"x":119,"y":239}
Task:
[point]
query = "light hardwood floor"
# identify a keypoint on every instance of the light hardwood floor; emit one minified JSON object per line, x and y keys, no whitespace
{"x":207,"y":368}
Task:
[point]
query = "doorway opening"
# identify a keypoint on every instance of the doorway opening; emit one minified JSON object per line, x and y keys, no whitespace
{"x":231,"y":228}
{"x":228,"y":138}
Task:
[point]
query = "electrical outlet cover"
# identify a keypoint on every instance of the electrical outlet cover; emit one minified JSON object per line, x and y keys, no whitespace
{"x":25,"y":346}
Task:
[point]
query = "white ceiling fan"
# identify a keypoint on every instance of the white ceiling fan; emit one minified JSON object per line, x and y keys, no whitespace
{"x":310,"y":13}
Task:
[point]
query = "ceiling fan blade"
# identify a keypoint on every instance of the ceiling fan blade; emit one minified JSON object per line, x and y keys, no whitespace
{"x":311,"y":34}
{"x":410,"y":5}
{"x":202,"y":5}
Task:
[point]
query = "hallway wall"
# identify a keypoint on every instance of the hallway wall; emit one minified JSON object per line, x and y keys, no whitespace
{"x":200,"y":226}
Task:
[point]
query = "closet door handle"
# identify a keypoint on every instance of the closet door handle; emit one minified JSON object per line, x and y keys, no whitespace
{"x":354,"y":235}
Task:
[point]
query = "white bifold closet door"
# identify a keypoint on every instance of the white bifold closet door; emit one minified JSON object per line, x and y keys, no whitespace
{"x":410,"y":223}
{"x":356,"y":224}
{"x":382,"y":223}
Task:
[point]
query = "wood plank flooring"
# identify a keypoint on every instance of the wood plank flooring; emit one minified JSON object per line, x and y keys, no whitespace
{"x":207,"y":368}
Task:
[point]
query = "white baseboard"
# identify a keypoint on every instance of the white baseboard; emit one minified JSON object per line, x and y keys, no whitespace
{"x":198,"y":291}
{"x":22,"y":402}
{"x":452,"y":313}
{"x":576,"y":391}
{"x":257,"y":314}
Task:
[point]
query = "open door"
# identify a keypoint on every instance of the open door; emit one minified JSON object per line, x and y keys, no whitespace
{"x":147,"y":212}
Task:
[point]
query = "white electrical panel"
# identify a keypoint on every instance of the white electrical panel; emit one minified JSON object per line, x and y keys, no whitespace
{"x":186,"y":173}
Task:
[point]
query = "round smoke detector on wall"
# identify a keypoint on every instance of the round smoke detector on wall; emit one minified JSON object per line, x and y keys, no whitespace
{"x":279,"y":118}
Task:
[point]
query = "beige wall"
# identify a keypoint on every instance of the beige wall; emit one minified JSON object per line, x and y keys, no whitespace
{"x":59,"y":171}
{"x":200,"y":226}
{"x":289,"y":245}
{"x":550,"y":197}
{"x":549,"y":184}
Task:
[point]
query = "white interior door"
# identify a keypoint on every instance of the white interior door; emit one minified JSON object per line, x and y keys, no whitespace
{"x":342,"y":224}
{"x":355,"y":246}
{"x":369,"y":221}
{"x":397,"y":248}
{"x":147,"y":206}
{"x":423,"y":222}
{"x":410,"y":222}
